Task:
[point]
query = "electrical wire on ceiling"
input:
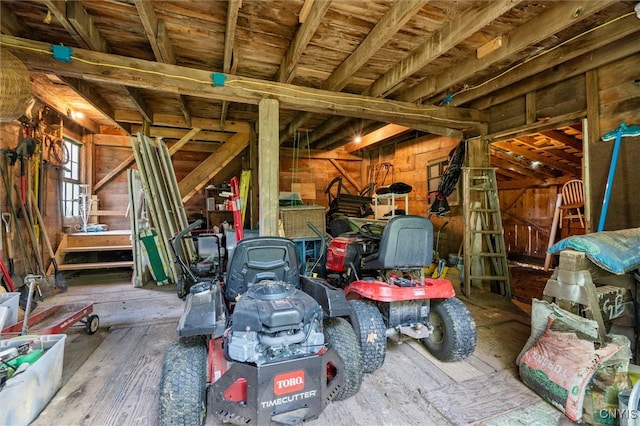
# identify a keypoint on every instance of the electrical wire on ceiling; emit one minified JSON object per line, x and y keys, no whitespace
{"x":450,"y":96}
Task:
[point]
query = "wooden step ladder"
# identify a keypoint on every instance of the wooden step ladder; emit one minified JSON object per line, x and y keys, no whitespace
{"x":485,"y":255}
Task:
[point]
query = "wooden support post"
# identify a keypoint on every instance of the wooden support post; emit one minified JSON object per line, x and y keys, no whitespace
{"x":268,"y":155}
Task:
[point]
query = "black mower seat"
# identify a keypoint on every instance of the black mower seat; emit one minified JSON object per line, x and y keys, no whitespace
{"x":406,"y":243}
{"x":261,"y":258}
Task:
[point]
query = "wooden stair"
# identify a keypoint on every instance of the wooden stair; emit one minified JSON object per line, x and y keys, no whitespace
{"x":87,"y":250}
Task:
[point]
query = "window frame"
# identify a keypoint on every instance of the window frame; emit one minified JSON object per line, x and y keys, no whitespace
{"x":71,"y":179}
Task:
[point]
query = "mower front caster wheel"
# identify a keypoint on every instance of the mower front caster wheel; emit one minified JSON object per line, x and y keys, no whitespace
{"x":92,"y":324}
{"x":454,"y":330}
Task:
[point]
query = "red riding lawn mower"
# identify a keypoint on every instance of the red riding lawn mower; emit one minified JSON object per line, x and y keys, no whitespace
{"x":259,"y":345}
{"x":381,"y":269}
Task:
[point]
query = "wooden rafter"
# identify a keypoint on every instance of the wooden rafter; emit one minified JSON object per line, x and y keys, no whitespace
{"x":536,"y":156}
{"x":448,"y":37}
{"x":303,"y":35}
{"x":230,"y":62}
{"x":394,"y":19}
{"x":547,"y":24}
{"x":96,"y":66}
{"x":575,"y":57}
{"x":79,"y":24}
{"x":213,"y":164}
{"x":156,"y":32}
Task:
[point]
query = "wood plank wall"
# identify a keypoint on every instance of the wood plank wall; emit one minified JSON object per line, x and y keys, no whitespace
{"x":619,"y":101}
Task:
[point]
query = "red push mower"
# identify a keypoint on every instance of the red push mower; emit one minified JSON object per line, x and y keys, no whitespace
{"x":265,"y":345}
{"x":381,"y":269}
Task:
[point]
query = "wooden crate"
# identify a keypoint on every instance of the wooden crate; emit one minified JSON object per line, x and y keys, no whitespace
{"x":295,"y":218}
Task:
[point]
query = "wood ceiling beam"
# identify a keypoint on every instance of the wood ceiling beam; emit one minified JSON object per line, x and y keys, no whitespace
{"x":105,"y":68}
{"x":305,"y":10}
{"x":89,"y":94}
{"x":168,"y":120}
{"x":147,"y":15}
{"x":371,"y":138}
{"x":518,"y":165}
{"x":337,"y":138}
{"x":79,"y":24}
{"x":538,"y":126}
{"x":501,"y":161}
{"x":452,"y":34}
{"x":315,"y":154}
{"x":391,"y":22}
{"x":177,"y":133}
{"x":569,"y":141}
{"x":140,"y":104}
{"x":212,"y":165}
{"x":545,"y":25}
{"x":531,"y":183}
{"x":156,"y":31}
{"x":575,"y":57}
{"x":58,"y":8}
{"x":183,"y":140}
{"x":56,"y":103}
{"x":303,"y":35}
{"x":230,"y":61}
{"x":84,"y":26}
{"x":536,"y":156}
{"x":10,"y":24}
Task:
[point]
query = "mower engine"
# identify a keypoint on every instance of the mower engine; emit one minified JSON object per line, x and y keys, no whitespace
{"x":344,"y":258}
{"x":273,"y":320}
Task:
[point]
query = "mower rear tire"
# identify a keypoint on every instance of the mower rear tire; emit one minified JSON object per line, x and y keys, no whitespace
{"x":340,"y":336}
{"x":372,"y":333}
{"x":454,"y":336}
{"x":183,"y":384}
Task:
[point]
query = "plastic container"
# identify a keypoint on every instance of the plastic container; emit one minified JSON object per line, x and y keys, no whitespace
{"x":11,"y":301}
{"x":25,"y":395}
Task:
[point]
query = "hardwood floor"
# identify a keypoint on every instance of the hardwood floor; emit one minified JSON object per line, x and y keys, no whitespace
{"x":112,"y":377}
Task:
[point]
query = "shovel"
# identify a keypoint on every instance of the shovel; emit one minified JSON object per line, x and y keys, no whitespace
{"x":60,"y":281}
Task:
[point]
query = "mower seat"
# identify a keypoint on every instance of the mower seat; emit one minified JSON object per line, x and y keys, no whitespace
{"x":261,"y":258}
{"x":406,"y":243}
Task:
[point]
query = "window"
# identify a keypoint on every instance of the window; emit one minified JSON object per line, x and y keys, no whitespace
{"x":435,"y":170}
{"x":71,"y":185}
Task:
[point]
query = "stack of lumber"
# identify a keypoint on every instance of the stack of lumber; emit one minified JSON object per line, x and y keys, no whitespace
{"x":162,"y":206}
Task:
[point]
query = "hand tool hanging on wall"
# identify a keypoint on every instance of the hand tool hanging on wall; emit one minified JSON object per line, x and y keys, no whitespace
{"x":59,"y":279}
{"x":26,"y":148}
{"x":618,"y":134}
{"x":8,"y":186}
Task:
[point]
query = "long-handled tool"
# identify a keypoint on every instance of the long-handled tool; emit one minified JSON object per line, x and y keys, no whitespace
{"x":34,"y":242}
{"x":8,"y":241}
{"x":618,"y":134}
{"x":6,"y":277}
{"x":7,"y":181}
{"x":59,"y":280}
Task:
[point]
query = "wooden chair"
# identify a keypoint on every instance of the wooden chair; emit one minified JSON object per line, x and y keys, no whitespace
{"x":572,"y":201}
